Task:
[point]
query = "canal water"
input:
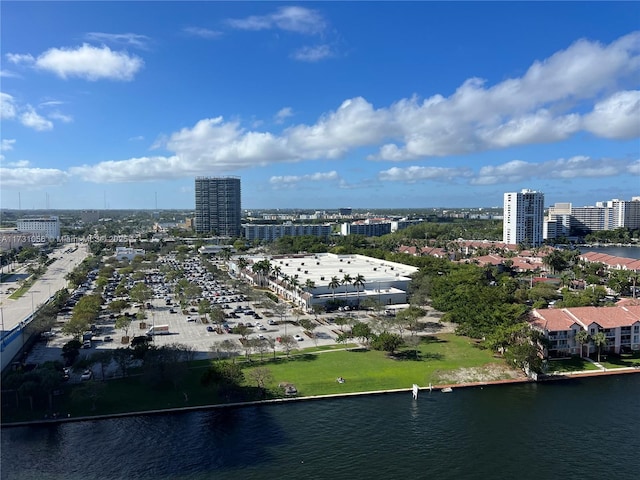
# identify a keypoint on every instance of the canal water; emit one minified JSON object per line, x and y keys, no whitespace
{"x":583,"y":428}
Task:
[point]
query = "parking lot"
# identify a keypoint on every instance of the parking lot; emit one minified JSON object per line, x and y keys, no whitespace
{"x":187,"y":326}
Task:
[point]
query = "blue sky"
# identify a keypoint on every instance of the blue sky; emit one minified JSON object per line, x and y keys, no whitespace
{"x":318,"y":105}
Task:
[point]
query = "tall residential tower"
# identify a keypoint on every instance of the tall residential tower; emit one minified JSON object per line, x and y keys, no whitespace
{"x":523,"y":218}
{"x":218,"y":208}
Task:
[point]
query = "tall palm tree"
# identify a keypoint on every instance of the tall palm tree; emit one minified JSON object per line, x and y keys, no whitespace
{"x":309,"y":285}
{"x":581,"y":338}
{"x":346,"y":281}
{"x":242,"y":263}
{"x":358,"y":282}
{"x":599,"y":340}
{"x":333,"y":284}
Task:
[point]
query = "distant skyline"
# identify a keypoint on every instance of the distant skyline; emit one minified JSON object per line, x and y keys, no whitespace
{"x":318,"y":105}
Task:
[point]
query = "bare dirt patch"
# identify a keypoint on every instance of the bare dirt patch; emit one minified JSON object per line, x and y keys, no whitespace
{"x":487,"y":373}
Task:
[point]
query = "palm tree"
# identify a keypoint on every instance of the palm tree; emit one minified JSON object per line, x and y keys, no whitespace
{"x":346,"y":281}
{"x":358,"y":282}
{"x":309,"y":285}
{"x":333,"y":284}
{"x":581,"y":338}
{"x":276,"y":271}
{"x":599,"y":340}
{"x":242,"y":263}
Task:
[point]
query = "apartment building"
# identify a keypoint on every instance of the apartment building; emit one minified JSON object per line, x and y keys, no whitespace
{"x":523,"y":218}
{"x":48,"y":228}
{"x":218,"y":208}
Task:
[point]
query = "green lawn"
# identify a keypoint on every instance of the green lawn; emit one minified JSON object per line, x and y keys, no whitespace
{"x":624,"y":360}
{"x":373,"y":370}
{"x":573,"y":364}
{"x":312,"y":374}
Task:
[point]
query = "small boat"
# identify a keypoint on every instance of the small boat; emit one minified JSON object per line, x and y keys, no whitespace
{"x":447,"y":390}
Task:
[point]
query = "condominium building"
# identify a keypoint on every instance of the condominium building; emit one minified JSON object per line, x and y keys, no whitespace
{"x":48,"y":228}
{"x":218,"y":208}
{"x":523,"y":218}
{"x":270,"y":233}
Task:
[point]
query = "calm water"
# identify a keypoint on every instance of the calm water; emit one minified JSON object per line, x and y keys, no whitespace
{"x":626,"y":252}
{"x":586,"y":429}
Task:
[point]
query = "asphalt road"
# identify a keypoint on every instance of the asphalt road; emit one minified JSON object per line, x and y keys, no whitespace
{"x":15,"y":311}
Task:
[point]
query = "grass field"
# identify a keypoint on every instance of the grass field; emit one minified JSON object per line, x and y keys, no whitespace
{"x":312,"y":374}
{"x":573,"y":364}
{"x":624,"y":360}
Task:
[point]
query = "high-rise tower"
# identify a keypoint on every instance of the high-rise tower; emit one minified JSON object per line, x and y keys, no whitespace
{"x":218,"y":208}
{"x":523,"y":218}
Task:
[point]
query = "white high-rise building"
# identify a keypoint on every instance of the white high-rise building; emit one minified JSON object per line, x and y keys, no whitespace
{"x":523,"y":218}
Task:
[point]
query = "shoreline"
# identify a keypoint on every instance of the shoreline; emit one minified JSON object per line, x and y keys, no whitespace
{"x":276,"y":401}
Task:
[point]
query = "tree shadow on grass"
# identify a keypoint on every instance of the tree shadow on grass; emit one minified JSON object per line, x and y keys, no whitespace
{"x":431,"y":339}
{"x":416,"y":356}
{"x":305,"y":357}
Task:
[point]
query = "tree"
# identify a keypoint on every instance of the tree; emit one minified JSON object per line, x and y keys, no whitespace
{"x":231,"y":347}
{"x":70,"y":351}
{"x":358,"y":281}
{"x":582,"y":337}
{"x":204,"y":308}
{"x":389,"y":342}
{"x":334,"y":283}
{"x":410,"y":317}
{"x":141,"y":293}
{"x":124,"y":323}
{"x":261,"y":376}
{"x":122,"y":357}
{"x":362,"y":331}
{"x":346,"y":281}
{"x":104,"y":358}
{"x":288,"y":344}
{"x":599,"y":340}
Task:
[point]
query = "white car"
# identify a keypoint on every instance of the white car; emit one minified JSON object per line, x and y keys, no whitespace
{"x":298,"y":338}
{"x":86,"y":375}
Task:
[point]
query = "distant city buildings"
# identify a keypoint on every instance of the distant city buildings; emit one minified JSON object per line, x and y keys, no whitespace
{"x":565,"y":220}
{"x":90,"y":216}
{"x":128,"y":253}
{"x":523,"y":218}
{"x":46,"y":227}
{"x":218,"y":209}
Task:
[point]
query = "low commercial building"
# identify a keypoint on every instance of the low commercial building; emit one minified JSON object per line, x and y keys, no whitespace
{"x":128,"y":253}
{"x":327,"y":279}
{"x":270,"y":233}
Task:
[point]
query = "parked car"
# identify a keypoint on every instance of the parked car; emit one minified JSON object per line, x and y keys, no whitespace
{"x":86,"y":344}
{"x":108,"y":339}
{"x":86,"y":375}
{"x":209,"y":328}
{"x":271,"y":322}
{"x":298,"y":338}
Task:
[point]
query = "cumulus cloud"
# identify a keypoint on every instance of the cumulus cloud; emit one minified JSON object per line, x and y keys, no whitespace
{"x":574,"y":167}
{"x":616,"y":117}
{"x":292,"y":19}
{"x":31,"y":177}
{"x":313,"y":177}
{"x":313,"y":54}
{"x":415,"y":173}
{"x":7,"y":106}
{"x":634,"y":168}
{"x":202,"y":32}
{"x":18,"y":58}
{"x":283,"y":114}
{"x":30,"y":118}
{"x":7,"y":144}
{"x":133,"y":39}
{"x":546,"y":104}
{"x":87,"y":62}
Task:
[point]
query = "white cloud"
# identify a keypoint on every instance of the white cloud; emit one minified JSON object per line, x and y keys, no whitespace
{"x":8,"y":107}
{"x":8,"y":74}
{"x":202,"y":32}
{"x":313,"y":177}
{"x":574,"y":167}
{"x":313,"y":54}
{"x":30,"y":118}
{"x":60,"y":117}
{"x":31,"y":177}
{"x":617,"y":116}
{"x":293,"y":19}
{"x":416,"y":173}
{"x":7,"y":144}
{"x":475,"y":118}
{"x":634,"y":168}
{"x":283,"y":114}
{"x":18,"y":58}
{"x":89,"y":62}
{"x":133,"y":39}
